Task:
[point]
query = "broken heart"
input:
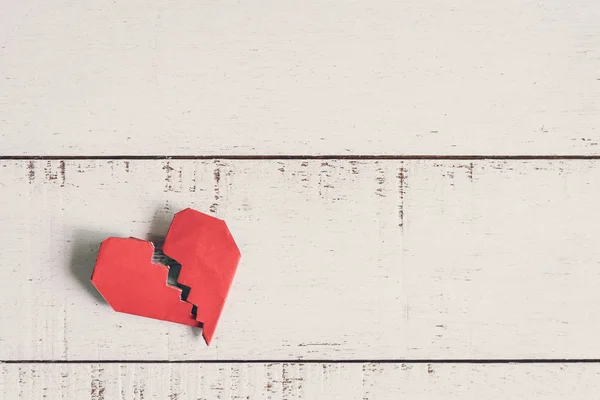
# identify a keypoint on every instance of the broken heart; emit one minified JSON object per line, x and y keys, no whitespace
{"x":131,"y":283}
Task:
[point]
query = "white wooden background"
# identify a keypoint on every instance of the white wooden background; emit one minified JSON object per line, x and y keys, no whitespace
{"x":424,"y":274}
{"x":299,"y":77}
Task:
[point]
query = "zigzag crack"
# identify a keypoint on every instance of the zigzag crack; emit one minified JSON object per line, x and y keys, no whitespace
{"x":159,"y":257}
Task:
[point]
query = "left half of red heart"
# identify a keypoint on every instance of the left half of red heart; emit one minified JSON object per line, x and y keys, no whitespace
{"x":131,"y":283}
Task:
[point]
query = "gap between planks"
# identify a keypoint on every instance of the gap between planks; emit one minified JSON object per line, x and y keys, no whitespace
{"x":314,"y":361}
{"x":308,"y":157}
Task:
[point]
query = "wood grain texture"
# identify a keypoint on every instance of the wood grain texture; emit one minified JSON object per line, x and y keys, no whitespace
{"x":340,"y":259}
{"x":299,"y":381}
{"x":317,"y":77}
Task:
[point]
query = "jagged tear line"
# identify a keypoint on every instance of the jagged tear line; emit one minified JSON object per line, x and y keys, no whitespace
{"x":174,"y":267}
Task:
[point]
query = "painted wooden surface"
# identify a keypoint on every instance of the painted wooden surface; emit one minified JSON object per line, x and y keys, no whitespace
{"x":317,"y":77}
{"x":340,"y":259}
{"x":367,"y":381}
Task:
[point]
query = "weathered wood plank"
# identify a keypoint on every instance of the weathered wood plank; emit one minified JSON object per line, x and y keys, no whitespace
{"x":299,"y":381}
{"x":320,"y":77}
{"x":341,"y":259}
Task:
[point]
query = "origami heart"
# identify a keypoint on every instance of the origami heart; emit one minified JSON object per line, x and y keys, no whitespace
{"x":131,"y":283}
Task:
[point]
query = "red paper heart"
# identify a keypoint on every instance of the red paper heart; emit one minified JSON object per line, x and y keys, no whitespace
{"x":128,"y":280}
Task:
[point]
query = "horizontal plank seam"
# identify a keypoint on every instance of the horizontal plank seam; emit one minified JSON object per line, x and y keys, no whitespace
{"x":308,"y":157}
{"x":324,"y":361}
